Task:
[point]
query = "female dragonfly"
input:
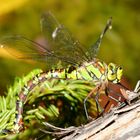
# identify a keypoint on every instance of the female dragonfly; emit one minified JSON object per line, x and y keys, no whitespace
{"x":78,"y":62}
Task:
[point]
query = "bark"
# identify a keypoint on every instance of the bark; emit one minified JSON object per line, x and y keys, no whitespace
{"x":120,"y":124}
{"x":123,"y":124}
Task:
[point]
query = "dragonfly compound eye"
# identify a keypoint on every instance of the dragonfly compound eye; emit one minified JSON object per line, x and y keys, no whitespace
{"x":112,"y":72}
{"x":119,"y":73}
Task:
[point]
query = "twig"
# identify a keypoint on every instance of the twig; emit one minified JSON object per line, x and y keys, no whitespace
{"x":119,"y":121}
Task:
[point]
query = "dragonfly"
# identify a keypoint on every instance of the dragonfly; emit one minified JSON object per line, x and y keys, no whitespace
{"x":78,"y":62}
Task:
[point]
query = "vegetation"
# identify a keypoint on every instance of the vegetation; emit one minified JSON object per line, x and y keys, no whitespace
{"x":60,"y":102}
{"x":85,"y":19}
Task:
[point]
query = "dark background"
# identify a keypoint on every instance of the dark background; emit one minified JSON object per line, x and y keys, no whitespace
{"x":85,"y":19}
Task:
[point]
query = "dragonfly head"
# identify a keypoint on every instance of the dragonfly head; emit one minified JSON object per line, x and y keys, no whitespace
{"x":114,"y":73}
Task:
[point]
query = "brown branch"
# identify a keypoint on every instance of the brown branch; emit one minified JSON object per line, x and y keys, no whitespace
{"x":120,"y":123}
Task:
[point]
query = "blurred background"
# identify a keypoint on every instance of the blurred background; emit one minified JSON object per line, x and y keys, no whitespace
{"x":85,"y":19}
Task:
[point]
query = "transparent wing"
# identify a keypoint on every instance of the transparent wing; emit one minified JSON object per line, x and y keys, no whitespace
{"x":93,"y":50}
{"x":62,"y":46}
{"x":23,"y":48}
{"x":61,"y":41}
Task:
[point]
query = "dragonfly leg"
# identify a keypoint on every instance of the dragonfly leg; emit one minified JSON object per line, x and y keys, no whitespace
{"x":100,"y":110}
{"x":85,"y":107}
{"x":107,"y":90}
{"x":88,"y":96}
{"x":115,"y":93}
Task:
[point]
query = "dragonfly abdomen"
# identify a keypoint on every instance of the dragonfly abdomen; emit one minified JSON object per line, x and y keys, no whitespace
{"x":28,"y":87}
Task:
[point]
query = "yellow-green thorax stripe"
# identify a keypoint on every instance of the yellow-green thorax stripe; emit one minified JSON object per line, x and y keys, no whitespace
{"x":90,"y":71}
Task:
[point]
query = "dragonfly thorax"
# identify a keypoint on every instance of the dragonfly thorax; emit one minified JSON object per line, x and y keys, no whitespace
{"x":98,"y":70}
{"x":95,"y":70}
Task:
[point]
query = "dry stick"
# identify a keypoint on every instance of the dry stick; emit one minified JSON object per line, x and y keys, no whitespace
{"x":98,"y":129}
{"x":106,"y":127}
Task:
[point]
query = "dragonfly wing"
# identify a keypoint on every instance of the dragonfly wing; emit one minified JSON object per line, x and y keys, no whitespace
{"x":23,"y":48}
{"x":61,"y":40}
{"x":93,"y":50}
